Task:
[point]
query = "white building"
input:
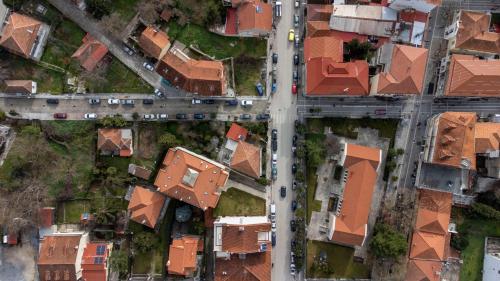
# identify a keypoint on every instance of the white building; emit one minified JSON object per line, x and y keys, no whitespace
{"x":491,"y":264}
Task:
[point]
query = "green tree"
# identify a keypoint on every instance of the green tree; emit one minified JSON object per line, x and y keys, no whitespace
{"x":98,"y":8}
{"x":2,"y":115}
{"x":315,"y":153}
{"x":357,"y":50}
{"x":135,"y":116}
{"x":169,"y":140}
{"x":144,"y":241}
{"x":113,"y":121}
{"x":485,"y":211}
{"x":387,"y":243}
{"x":119,"y":262}
{"x":459,"y":241}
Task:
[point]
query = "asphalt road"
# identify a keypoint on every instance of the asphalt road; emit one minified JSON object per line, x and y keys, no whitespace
{"x":283,"y":110}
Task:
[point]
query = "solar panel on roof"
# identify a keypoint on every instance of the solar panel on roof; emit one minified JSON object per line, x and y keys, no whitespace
{"x":98,"y":260}
{"x":100,"y":250}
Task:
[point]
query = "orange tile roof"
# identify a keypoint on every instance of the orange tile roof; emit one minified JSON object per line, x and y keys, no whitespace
{"x":19,"y":86}
{"x":90,"y":52}
{"x":473,"y":33}
{"x":330,"y":47}
{"x":454,"y":142}
{"x":204,"y":77}
{"x":94,"y":263}
{"x":154,"y":42}
{"x":182,"y":255}
{"x":318,"y":28}
{"x":20,"y":33}
{"x":145,"y":206}
{"x":46,"y":216}
{"x":112,"y":140}
{"x":406,"y":73}
{"x":434,"y":210}
{"x":470,"y":76}
{"x":247,"y":159}
{"x":420,"y":270}
{"x":192,"y":178}
{"x":59,"y":249}
{"x":237,"y":132}
{"x":254,"y":15}
{"x":487,"y":136}
{"x":243,"y":238}
{"x":326,"y":77}
{"x":361,"y":162}
{"x":427,"y":246}
{"x":253,"y":267}
{"x":318,"y":12}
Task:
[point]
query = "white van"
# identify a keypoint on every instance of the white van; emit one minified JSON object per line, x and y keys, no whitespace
{"x":277,"y":9}
{"x":246,"y":103}
{"x":273,"y":212}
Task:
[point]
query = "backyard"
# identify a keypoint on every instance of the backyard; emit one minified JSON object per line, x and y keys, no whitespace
{"x":117,"y":78}
{"x":235,"y":202}
{"x":340,"y":261}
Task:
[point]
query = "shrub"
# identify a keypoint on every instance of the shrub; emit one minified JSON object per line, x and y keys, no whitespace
{"x":459,"y":242}
{"x":485,"y":211}
{"x":145,"y":241}
{"x":387,"y":243}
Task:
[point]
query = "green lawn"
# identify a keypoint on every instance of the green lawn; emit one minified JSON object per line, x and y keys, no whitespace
{"x":216,"y":45}
{"x":63,"y":42}
{"x":70,"y":211}
{"x":312,"y":205}
{"x":247,"y":75}
{"x":475,"y":230}
{"x":119,"y":79}
{"x":235,"y":202}
{"x":340,"y":260}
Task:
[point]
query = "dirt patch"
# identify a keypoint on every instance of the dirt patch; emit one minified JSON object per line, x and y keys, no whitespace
{"x":147,"y":145}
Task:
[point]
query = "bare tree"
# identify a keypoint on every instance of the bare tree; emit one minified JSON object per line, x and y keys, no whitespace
{"x":332,"y":145}
{"x":113,"y":24}
{"x":148,"y":12}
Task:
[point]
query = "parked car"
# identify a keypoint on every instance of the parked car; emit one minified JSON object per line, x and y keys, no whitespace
{"x":273,"y":238}
{"x":128,"y":102}
{"x":291,"y":35}
{"x":245,"y":116}
{"x":294,"y":88}
{"x":199,"y":116}
{"x":263,"y":116}
{"x":294,"y":205}
{"x":209,"y":101}
{"x":275,"y":58}
{"x":293,"y":244}
{"x":293,"y":225}
{"x":246,"y":103}
{"x":128,"y":50}
{"x":294,"y":185}
{"x":295,"y":76}
{"x":297,"y":3}
{"x":274,"y":172}
{"x":296,"y":41}
{"x":90,"y":116}
{"x":296,"y":59}
{"x":273,"y":212}
{"x":162,"y":116}
{"x":195,"y":101}
{"x":148,"y":101}
{"x":181,"y":116}
{"x":113,"y":101}
{"x":52,"y":101}
{"x":283,"y":191}
{"x":274,"y":158}
{"x":274,"y":134}
{"x":296,"y":20}
{"x":148,"y":66}
{"x":232,"y":102}
{"x":274,"y":145}
{"x":60,"y":115}
{"x":94,"y":101}
{"x":294,"y":168}
{"x":260,"y":89}
{"x":381,"y":111}
{"x":149,"y":117}
{"x":159,"y":93}
{"x":294,"y":140}
{"x":292,"y":269}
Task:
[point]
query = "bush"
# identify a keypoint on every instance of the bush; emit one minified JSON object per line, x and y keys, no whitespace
{"x":485,"y":211}
{"x":315,"y":153}
{"x":459,"y":241}
{"x":263,"y":181}
{"x":168,"y":140}
{"x":119,"y":262}
{"x":387,"y":243}
{"x":145,"y":241}
{"x":2,"y":115}
{"x":115,"y":121}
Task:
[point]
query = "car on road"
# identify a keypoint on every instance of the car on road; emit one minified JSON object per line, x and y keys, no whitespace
{"x":246,"y":103}
{"x":90,"y":116}
{"x":296,"y":20}
{"x":291,"y":35}
{"x":273,"y":226}
{"x":293,"y":225}
{"x":60,"y":115}
{"x":274,"y":145}
{"x":148,"y":101}
{"x":274,"y":158}
{"x":148,"y":66}
{"x":273,"y":238}
{"x":294,"y":168}
{"x":294,"y":205}
{"x":263,"y":116}
{"x":52,"y":101}
{"x":181,"y":116}
{"x":274,"y":172}
{"x":128,"y":102}
{"x":195,"y":101}
{"x":283,"y":191}
{"x":94,"y":101}
{"x":294,"y":140}
{"x":245,"y":116}
{"x":232,"y":102}
{"x":293,"y":244}
{"x":128,"y":50}
{"x":162,"y":116}
{"x":294,"y":88}
{"x":296,"y":59}
{"x":199,"y":116}
{"x":159,"y":93}
{"x":274,"y":134}
{"x":273,"y":212}
{"x":292,"y":269}
{"x":297,"y":3}
{"x":295,"y":76}
{"x":294,"y":185}
{"x":275,"y":58}
{"x":149,"y":117}
{"x":113,"y":101}
{"x":296,"y":41}
{"x":292,"y":258}
{"x":380,"y":111}
{"x":209,"y":101}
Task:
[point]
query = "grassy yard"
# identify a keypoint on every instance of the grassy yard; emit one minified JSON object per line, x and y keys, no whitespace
{"x":119,"y":79}
{"x":63,"y":42}
{"x":247,"y":75}
{"x":235,"y":202}
{"x":216,"y":45}
{"x":70,"y":211}
{"x":475,"y":230}
{"x":340,"y":261}
{"x":312,"y":205}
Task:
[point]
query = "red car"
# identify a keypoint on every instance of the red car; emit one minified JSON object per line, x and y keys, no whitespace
{"x":294,"y":88}
{"x":60,"y":116}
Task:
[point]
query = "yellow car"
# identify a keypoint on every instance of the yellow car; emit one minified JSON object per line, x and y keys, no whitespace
{"x":291,"y":35}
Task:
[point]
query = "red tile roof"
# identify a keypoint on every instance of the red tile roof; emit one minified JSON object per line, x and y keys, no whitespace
{"x":95,"y":261}
{"x":115,"y":141}
{"x":361,"y":163}
{"x":318,"y":12}
{"x":427,"y":246}
{"x":154,"y":42}
{"x":145,"y":206}
{"x":19,"y":34}
{"x":192,"y":178}
{"x":330,"y":47}
{"x":237,"y":132}
{"x":90,"y":52}
{"x":254,"y":15}
{"x":47,"y":217}
{"x":247,"y":159}
{"x":421,"y":270}
{"x":473,"y":33}
{"x":243,"y":238}
{"x":182,"y":255}
{"x":57,"y":257}
{"x":231,"y":27}
{"x":253,"y":267}
{"x":207,"y":78}
{"x":19,"y":86}
{"x":406,"y":73}
{"x":487,"y":137}
{"x":470,"y":76}
{"x":434,"y":210}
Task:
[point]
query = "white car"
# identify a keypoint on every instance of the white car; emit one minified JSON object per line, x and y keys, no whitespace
{"x":159,"y":93}
{"x":148,"y":66}
{"x":149,"y":116}
{"x":275,"y":158}
{"x":297,"y":3}
{"x":90,"y":116}
{"x":162,"y":116}
{"x":196,"y":101}
{"x":113,"y":101}
{"x":246,"y":103}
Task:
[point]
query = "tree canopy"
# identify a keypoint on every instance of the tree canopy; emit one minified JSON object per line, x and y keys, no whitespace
{"x":387,"y":243}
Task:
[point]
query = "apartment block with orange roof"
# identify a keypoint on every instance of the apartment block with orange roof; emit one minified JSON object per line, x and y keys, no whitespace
{"x":248,"y":18}
{"x":192,"y":178}
{"x":240,"y":155}
{"x":24,"y":36}
{"x":154,"y":42}
{"x":242,"y":247}
{"x":182,"y":256}
{"x":348,"y":224}
{"x":95,"y":261}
